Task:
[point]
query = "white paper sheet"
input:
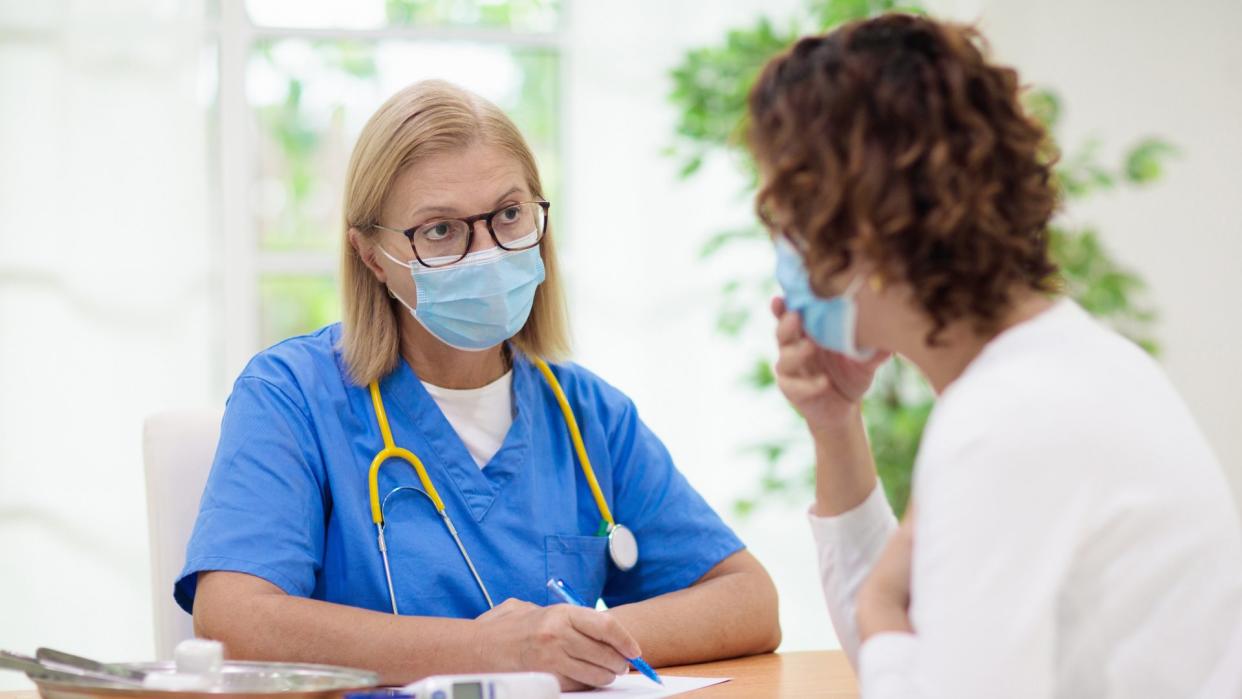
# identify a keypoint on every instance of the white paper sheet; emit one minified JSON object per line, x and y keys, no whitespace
{"x":635,"y":686}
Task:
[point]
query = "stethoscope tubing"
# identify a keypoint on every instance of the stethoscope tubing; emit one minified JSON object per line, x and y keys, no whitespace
{"x":452,"y":530}
{"x":391,"y":451}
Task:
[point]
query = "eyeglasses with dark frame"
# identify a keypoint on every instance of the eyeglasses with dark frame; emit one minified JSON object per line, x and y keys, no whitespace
{"x":443,"y":242}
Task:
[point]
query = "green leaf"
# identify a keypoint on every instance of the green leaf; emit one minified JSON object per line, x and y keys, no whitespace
{"x":690,"y":167}
{"x":711,"y":85}
{"x":744,"y":507}
{"x":828,"y":14}
{"x":1044,"y":105}
{"x":1080,"y":173}
{"x":761,"y":375}
{"x":718,"y":241}
{"x":1146,"y":159}
{"x":732,"y":321}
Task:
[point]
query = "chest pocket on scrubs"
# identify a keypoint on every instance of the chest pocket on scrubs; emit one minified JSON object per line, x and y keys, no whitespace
{"x":581,"y":561}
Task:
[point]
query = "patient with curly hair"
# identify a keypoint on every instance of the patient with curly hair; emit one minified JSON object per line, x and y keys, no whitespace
{"x":1070,"y":533}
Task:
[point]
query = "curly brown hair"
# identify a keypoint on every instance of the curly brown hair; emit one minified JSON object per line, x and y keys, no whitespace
{"x":896,"y":139}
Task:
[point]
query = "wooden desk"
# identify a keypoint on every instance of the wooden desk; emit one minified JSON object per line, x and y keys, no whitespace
{"x":820,"y":673}
{"x":824,"y":674}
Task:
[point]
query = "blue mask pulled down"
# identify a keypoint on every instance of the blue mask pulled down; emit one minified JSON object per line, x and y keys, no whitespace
{"x":478,"y":302}
{"x":829,"y":322}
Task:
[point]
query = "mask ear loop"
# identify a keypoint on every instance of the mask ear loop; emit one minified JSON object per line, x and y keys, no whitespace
{"x":407,"y":265}
{"x":387,"y":288}
{"x":858,"y":354}
{"x":400,"y":300}
{"x":852,"y":288}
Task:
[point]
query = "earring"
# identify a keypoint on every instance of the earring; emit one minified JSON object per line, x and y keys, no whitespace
{"x":877,"y":283}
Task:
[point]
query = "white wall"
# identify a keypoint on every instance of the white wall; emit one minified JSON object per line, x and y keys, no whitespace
{"x":104,"y":308}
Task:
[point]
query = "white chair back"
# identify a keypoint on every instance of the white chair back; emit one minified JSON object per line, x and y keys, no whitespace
{"x":178,"y":448}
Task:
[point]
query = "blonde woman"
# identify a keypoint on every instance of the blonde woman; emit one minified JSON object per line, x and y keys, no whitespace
{"x":396,"y":491}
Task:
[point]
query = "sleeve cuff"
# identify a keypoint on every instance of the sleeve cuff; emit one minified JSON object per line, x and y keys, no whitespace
{"x":186,"y":586}
{"x":884,"y":664}
{"x":848,"y":545}
{"x":856,"y":524}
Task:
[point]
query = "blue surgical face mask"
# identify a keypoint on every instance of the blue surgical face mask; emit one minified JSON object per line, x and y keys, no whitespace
{"x":830,"y":322}
{"x":478,"y":302}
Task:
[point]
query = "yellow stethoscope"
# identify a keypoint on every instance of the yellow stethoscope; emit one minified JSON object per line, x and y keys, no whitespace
{"x":622,"y":546}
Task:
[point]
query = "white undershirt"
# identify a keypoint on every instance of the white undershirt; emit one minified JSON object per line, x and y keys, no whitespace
{"x":1075,"y":536}
{"x":481,"y":417}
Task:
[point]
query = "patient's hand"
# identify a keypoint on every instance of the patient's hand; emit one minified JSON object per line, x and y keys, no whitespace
{"x":825,"y":387}
{"x":883,"y":602}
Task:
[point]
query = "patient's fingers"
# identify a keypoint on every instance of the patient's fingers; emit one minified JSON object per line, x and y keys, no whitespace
{"x":798,"y":389}
{"x":789,"y":328}
{"x":778,"y":306}
{"x":797,"y":358}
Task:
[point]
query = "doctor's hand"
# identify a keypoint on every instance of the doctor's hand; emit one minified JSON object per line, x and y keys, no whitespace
{"x":582,"y":647}
{"x":824,"y":386}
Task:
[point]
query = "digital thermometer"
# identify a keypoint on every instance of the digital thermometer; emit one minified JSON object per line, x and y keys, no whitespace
{"x":494,"y":685}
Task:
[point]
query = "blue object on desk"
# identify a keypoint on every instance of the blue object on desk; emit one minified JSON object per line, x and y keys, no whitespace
{"x":561,"y":589}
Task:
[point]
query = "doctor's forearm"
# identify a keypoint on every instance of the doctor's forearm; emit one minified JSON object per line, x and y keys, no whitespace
{"x":257,"y":621}
{"x":730,"y":612}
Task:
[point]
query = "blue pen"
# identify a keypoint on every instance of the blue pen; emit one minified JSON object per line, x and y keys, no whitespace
{"x":561,"y":589}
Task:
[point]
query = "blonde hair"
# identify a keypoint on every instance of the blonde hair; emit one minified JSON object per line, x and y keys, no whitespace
{"x":424,"y":119}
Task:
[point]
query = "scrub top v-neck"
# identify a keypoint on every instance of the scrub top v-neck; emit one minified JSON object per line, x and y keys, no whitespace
{"x":287,"y":497}
{"x":481,"y":417}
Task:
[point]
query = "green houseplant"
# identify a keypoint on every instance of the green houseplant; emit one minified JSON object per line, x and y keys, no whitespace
{"x":709,"y":89}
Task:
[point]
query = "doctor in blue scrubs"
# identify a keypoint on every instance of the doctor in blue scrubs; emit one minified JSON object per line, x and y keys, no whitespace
{"x":395,"y":491}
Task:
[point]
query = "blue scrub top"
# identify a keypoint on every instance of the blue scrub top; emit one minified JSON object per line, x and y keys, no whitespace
{"x":287,"y":496}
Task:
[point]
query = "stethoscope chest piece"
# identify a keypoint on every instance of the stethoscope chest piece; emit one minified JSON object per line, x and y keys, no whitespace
{"x":622,"y":547}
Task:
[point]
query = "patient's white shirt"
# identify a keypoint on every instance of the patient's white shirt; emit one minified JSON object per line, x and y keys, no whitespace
{"x":481,"y":417}
{"x":1075,"y":536}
